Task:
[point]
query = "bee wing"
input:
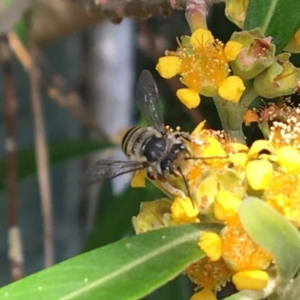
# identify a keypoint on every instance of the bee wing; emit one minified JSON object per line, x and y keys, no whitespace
{"x":148,"y":101}
{"x":107,"y":169}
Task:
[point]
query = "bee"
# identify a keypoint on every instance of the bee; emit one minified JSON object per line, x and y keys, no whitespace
{"x":161,"y":153}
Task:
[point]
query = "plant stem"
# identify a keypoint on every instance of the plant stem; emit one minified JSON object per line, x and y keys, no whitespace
{"x":232,"y":114}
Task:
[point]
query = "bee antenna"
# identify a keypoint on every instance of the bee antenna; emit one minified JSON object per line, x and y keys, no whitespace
{"x":186,"y":185}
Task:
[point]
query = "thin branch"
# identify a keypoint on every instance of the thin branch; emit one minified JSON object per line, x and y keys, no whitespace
{"x":15,"y":254}
{"x":116,"y":10}
{"x":41,"y":153}
{"x":42,"y":166}
{"x":55,"y":85}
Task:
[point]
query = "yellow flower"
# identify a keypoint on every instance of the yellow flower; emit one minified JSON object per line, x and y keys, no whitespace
{"x":231,"y":88}
{"x":250,"y":280}
{"x":188,"y":97}
{"x":258,"y":173}
{"x":152,"y":215}
{"x":235,"y":11}
{"x":226,"y":205}
{"x":183,"y":211}
{"x":207,"y":274}
{"x":283,"y":194}
{"x":204,"y":294}
{"x":168,"y":66}
{"x":211,"y":244}
{"x":202,"y":63}
{"x":239,"y":251}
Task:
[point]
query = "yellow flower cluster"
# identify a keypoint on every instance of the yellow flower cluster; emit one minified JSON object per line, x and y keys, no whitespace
{"x":203,"y":64}
{"x":227,"y":173}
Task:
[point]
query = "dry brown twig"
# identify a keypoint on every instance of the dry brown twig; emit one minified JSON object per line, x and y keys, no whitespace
{"x":42,"y":165}
{"x":15,"y":253}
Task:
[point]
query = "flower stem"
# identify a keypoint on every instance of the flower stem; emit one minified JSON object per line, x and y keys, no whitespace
{"x":231,"y":114}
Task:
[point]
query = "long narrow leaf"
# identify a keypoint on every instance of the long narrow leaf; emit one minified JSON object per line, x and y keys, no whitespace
{"x":274,"y":233}
{"x":128,"y":269}
{"x":277,"y":18}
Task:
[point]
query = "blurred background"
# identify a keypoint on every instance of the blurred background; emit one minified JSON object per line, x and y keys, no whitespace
{"x":88,"y":69}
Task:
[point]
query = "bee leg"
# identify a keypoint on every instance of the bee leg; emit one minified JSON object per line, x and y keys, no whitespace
{"x":188,"y":138}
{"x":172,"y":190}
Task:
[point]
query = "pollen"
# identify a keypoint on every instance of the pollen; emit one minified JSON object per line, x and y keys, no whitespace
{"x":208,"y":274}
{"x":283,"y":194}
{"x":240,"y":252}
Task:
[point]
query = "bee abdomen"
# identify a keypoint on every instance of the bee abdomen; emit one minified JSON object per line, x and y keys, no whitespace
{"x":133,"y":139}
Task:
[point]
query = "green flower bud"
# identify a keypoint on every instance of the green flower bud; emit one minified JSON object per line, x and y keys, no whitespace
{"x":153,"y":215}
{"x":256,"y":55}
{"x":280,"y":79}
{"x":235,"y":11}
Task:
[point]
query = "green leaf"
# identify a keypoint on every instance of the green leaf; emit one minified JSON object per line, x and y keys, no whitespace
{"x":58,"y":153}
{"x":128,"y":269}
{"x":274,"y":233}
{"x":114,"y":221}
{"x":277,"y":18}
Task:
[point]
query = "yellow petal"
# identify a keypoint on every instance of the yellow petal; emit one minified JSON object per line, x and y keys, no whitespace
{"x":231,"y":88}
{"x":239,"y":159}
{"x":226,"y":205}
{"x":200,"y":37}
{"x":289,"y":158}
{"x":297,"y":37}
{"x":204,"y":294}
{"x":183,"y":211}
{"x":190,"y":98}
{"x":139,"y":179}
{"x":259,"y":146}
{"x":258,"y":173}
{"x":211,"y":244}
{"x":250,"y":280}
{"x":213,"y":148}
{"x":198,"y":128}
{"x":232,"y":49}
{"x":168,"y":66}
{"x":239,"y":147}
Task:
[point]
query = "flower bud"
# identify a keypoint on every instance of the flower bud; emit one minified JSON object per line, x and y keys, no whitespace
{"x":152,"y":215}
{"x":255,"y":56}
{"x":235,"y":11}
{"x":280,"y":79}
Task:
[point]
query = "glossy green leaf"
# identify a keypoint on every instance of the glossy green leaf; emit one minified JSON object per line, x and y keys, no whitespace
{"x":58,"y":153}
{"x":128,"y":269}
{"x":279,"y":19}
{"x":274,"y":233}
{"x":114,"y":221}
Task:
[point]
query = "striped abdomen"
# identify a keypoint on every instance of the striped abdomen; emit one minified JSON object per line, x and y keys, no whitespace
{"x":144,"y":144}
